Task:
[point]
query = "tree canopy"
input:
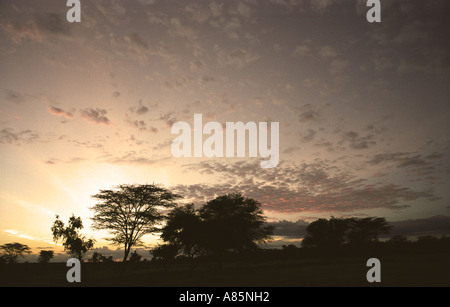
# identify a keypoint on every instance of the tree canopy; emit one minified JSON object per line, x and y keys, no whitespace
{"x":337,"y":231}
{"x":73,"y":242}
{"x":185,"y":229}
{"x":226,"y":223}
{"x":45,"y":256}
{"x":234,"y":222}
{"x":131,"y":211}
{"x":11,"y":251}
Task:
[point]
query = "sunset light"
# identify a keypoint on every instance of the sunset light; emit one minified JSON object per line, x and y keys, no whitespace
{"x":317,"y":110}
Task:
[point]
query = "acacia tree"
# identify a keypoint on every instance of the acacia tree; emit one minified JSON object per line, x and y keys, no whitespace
{"x":326,"y":233}
{"x":233,"y":222}
{"x":366,"y":230}
{"x":131,"y":211}
{"x":11,"y":251}
{"x":45,"y":256}
{"x":165,"y":253}
{"x":335,"y":232}
{"x":185,"y":229}
{"x":73,"y":242}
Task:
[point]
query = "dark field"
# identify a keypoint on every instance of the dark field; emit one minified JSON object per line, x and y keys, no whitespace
{"x":432,"y":269}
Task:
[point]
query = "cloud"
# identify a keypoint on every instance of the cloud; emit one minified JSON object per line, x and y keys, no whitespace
{"x":19,"y":32}
{"x":238,"y":57}
{"x":27,"y":236}
{"x":198,"y":13}
{"x":9,"y":136}
{"x":309,"y":113}
{"x":303,"y":50}
{"x":425,"y":167}
{"x":37,"y":27}
{"x":141,"y":109}
{"x":387,"y":157}
{"x":413,"y":161}
{"x":295,"y":188}
{"x":168,"y":119}
{"x":54,"y":23}
{"x":320,"y":5}
{"x":133,"y":157}
{"x":406,"y":26}
{"x":60,"y":112}
{"x":15,"y":97}
{"x":407,"y":160}
{"x":96,"y":116}
{"x":183,"y":81}
{"x":146,"y":2}
{"x":206,"y":79}
{"x":216,"y":8}
{"x":309,"y":136}
{"x":141,"y":125}
{"x":138,"y":41}
{"x":358,"y":142}
{"x":289,"y":229}
{"x":327,"y":52}
{"x":177,"y":28}
{"x":338,"y":65}
{"x":243,"y":10}
{"x":53,"y":161}
{"x":439,"y":224}
{"x":434,"y":225}
{"x":19,"y":234}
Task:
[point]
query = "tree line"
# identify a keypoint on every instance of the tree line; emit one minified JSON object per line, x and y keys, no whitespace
{"x":339,"y":231}
{"x":230,"y":222}
{"x":227,"y":224}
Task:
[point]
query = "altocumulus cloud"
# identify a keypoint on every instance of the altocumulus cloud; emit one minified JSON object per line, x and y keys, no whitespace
{"x":299,"y":188}
{"x":96,"y":116}
{"x":60,"y":112}
{"x":10,"y":136}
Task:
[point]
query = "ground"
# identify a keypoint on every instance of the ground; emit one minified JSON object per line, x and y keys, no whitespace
{"x":431,"y":269}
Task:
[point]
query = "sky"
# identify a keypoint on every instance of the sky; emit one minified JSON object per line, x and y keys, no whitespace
{"x":363,"y":108}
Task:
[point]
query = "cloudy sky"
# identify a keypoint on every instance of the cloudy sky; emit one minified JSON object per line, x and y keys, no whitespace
{"x":363,"y":108}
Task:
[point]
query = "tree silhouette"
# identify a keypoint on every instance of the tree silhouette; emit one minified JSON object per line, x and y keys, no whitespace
{"x":98,"y":257}
{"x":233,"y":223}
{"x":366,"y":230}
{"x":135,"y":257}
{"x":130,"y":212}
{"x":11,"y":251}
{"x":184,"y":228}
{"x":325,"y":233}
{"x":45,"y":256}
{"x":165,"y":253}
{"x":334,"y":232}
{"x":73,"y":241}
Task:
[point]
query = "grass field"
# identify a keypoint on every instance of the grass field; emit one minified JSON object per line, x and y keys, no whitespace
{"x":406,"y":270}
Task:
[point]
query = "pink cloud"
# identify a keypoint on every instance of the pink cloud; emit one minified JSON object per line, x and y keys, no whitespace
{"x":20,"y":32}
{"x":60,"y":112}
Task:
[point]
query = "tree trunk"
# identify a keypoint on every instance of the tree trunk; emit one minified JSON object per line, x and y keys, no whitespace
{"x":124,"y":261}
{"x":127,"y":251}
